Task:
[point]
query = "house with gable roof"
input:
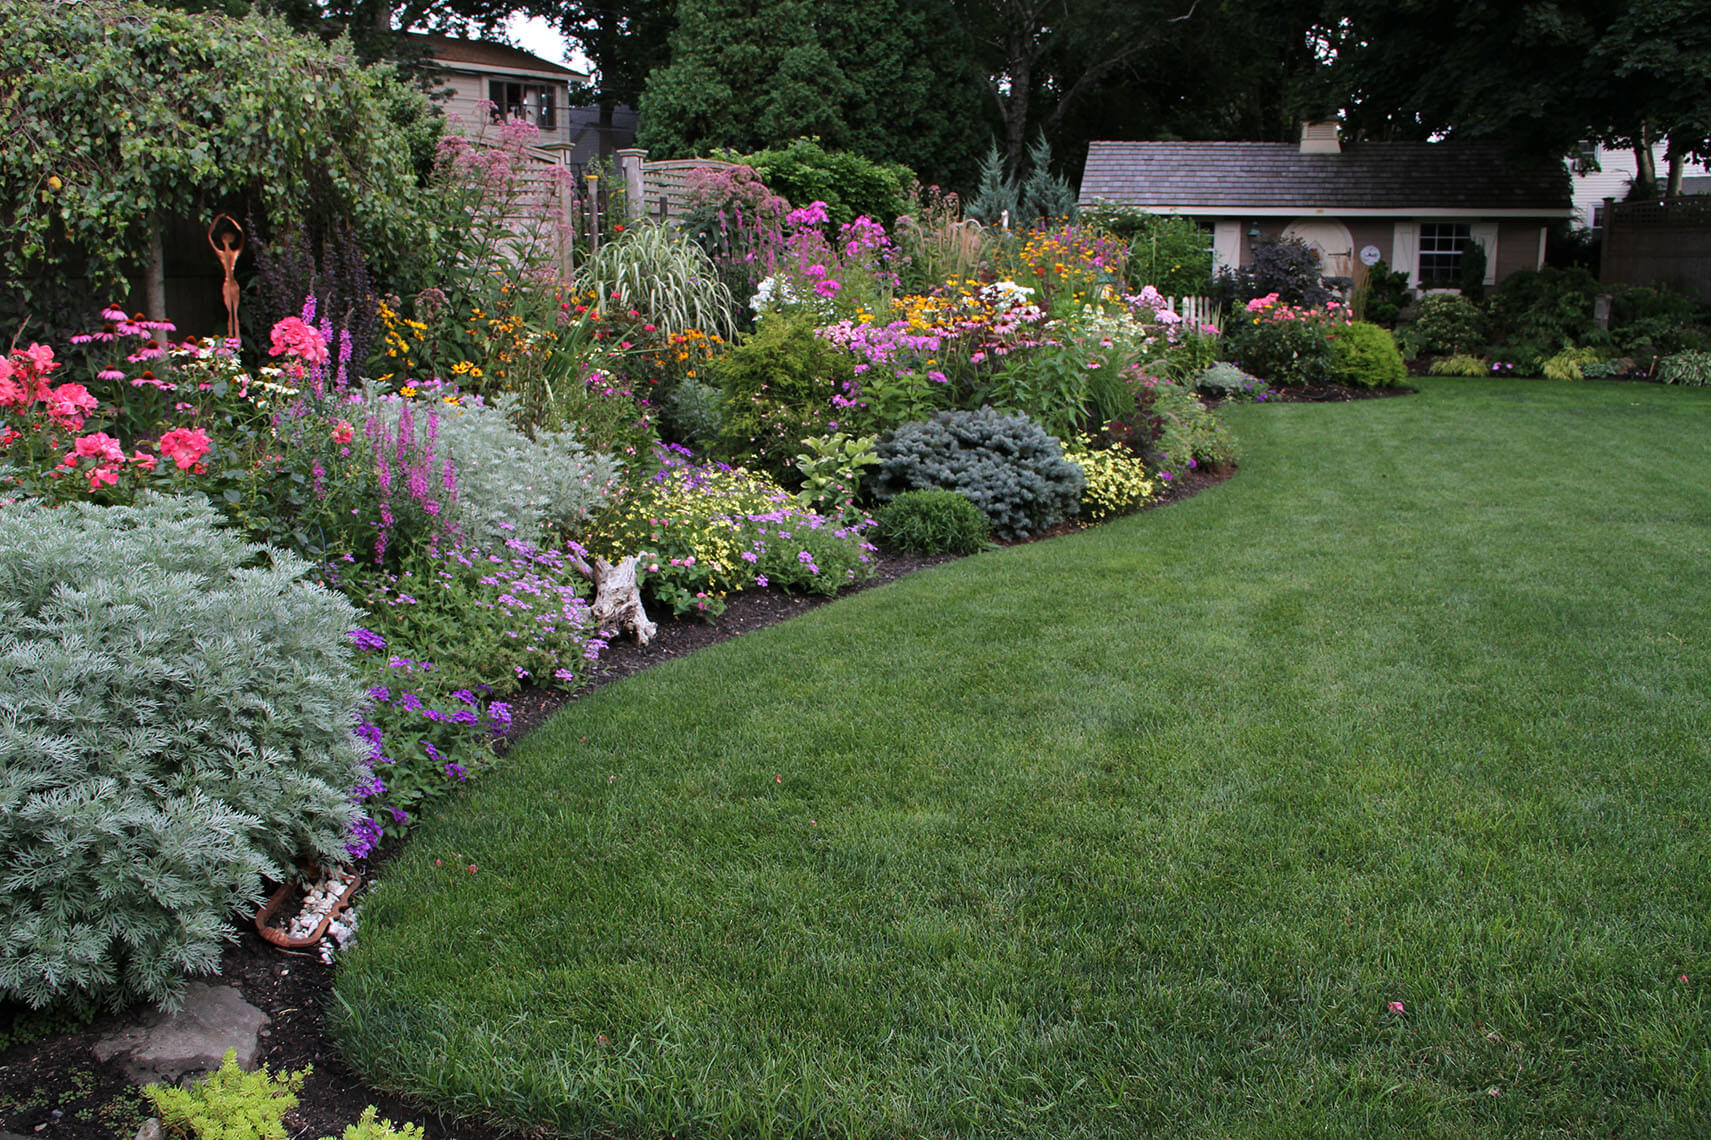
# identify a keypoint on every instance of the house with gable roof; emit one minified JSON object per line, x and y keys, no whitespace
{"x":1418,"y":206}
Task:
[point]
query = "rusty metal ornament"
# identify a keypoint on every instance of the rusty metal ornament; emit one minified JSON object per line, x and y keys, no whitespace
{"x":226,"y":238}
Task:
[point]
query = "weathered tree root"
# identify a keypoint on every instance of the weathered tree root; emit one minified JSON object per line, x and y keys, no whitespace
{"x":617,"y":598}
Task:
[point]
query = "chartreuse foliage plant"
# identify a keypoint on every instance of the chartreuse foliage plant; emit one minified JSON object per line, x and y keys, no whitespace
{"x":1567,"y":364}
{"x":1459,"y":364}
{"x":177,"y":713}
{"x":1363,"y":355}
{"x":1005,"y":464}
{"x":1139,"y":832}
{"x":193,"y":110}
{"x":230,"y":1104}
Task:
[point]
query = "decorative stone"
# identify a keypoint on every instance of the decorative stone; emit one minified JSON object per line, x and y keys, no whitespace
{"x":150,"y":1129}
{"x":191,"y":1042}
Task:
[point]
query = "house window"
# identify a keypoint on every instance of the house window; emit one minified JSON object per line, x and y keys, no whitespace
{"x":1441,"y":246}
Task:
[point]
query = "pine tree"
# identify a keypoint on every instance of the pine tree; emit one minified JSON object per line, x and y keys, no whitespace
{"x":996,"y":200}
{"x":1045,"y":196}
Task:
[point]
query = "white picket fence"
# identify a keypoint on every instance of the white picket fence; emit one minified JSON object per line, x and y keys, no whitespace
{"x":1195,"y":310}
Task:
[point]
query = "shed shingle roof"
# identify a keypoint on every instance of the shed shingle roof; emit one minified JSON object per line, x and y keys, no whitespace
{"x":485,"y":53}
{"x":1217,"y":177}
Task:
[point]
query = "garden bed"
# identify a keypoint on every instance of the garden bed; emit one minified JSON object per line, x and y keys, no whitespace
{"x":53,"y":1087}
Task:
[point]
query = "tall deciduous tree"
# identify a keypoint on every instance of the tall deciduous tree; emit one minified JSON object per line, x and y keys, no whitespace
{"x":1543,"y":73}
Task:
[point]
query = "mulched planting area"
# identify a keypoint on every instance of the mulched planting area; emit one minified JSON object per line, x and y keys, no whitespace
{"x":53,"y":1087}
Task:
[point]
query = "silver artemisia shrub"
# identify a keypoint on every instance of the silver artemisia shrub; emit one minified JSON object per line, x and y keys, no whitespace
{"x":175,"y":723}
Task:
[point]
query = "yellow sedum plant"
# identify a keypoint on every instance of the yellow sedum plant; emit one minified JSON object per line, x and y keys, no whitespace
{"x":228,"y":1104}
{"x":368,"y":1128}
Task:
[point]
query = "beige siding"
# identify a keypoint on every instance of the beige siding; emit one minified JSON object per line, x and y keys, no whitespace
{"x":1517,"y":248}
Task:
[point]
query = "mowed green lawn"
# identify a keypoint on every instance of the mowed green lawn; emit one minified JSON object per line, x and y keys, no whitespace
{"x":1136,"y":832}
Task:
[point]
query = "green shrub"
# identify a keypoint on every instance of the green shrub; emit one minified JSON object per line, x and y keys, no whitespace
{"x":1459,"y":365}
{"x":228,"y":1104}
{"x":694,"y":413}
{"x":849,"y":184}
{"x":177,"y":725}
{"x":1448,"y":323}
{"x":1365,"y":356}
{"x":1566,"y":364}
{"x":1690,"y":368}
{"x":1005,"y":464}
{"x":1548,"y":306}
{"x":1663,"y":320}
{"x":1171,"y":430}
{"x":1380,"y":294}
{"x":933,"y":521}
{"x":1115,"y":478}
{"x":778,"y":384}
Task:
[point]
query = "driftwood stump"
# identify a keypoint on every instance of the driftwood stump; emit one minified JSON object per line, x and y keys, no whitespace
{"x":617,"y":598}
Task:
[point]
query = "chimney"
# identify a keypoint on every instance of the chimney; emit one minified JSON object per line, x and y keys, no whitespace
{"x":1320,"y":138}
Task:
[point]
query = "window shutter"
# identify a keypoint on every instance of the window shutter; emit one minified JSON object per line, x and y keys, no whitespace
{"x":1405,"y":251}
{"x":1485,"y":233}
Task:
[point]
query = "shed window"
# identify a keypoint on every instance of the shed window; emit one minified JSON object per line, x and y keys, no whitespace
{"x":526,"y":101}
{"x":1441,"y":247}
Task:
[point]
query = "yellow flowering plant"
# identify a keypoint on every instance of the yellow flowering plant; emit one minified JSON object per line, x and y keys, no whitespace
{"x":1116,"y":478}
{"x":706,"y":530}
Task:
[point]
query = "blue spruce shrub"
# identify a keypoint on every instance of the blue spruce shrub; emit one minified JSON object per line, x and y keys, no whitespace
{"x":1005,"y":464}
{"x":176,"y":710}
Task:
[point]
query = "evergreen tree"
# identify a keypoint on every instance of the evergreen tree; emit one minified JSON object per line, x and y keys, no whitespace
{"x":1045,"y":196}
{"x":996,"y":199}
{"x":743,"y":74}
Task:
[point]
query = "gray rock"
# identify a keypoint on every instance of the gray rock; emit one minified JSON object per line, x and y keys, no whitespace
{"x":191,"y":1042}
{"x":150,"y":1129}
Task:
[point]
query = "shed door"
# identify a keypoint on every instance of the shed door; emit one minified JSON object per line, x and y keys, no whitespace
{"x":1331,"y":238}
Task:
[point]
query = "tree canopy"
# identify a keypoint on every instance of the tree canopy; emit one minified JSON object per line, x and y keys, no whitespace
{"x":1542,"y":73}
{"x":893,"y":80}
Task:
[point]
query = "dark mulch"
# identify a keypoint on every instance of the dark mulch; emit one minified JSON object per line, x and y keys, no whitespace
{"x":54,"y":1088}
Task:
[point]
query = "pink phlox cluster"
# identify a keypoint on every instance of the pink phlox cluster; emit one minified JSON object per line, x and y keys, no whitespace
{"x":813,"y":214}
{"x":294,"y":336}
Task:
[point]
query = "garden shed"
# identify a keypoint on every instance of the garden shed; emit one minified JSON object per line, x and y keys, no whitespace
{"x":517,"y":83}
{"x":1416,"y":205}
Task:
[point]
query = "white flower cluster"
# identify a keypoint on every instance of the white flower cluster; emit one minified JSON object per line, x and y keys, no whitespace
{"x":1006,"y":296}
